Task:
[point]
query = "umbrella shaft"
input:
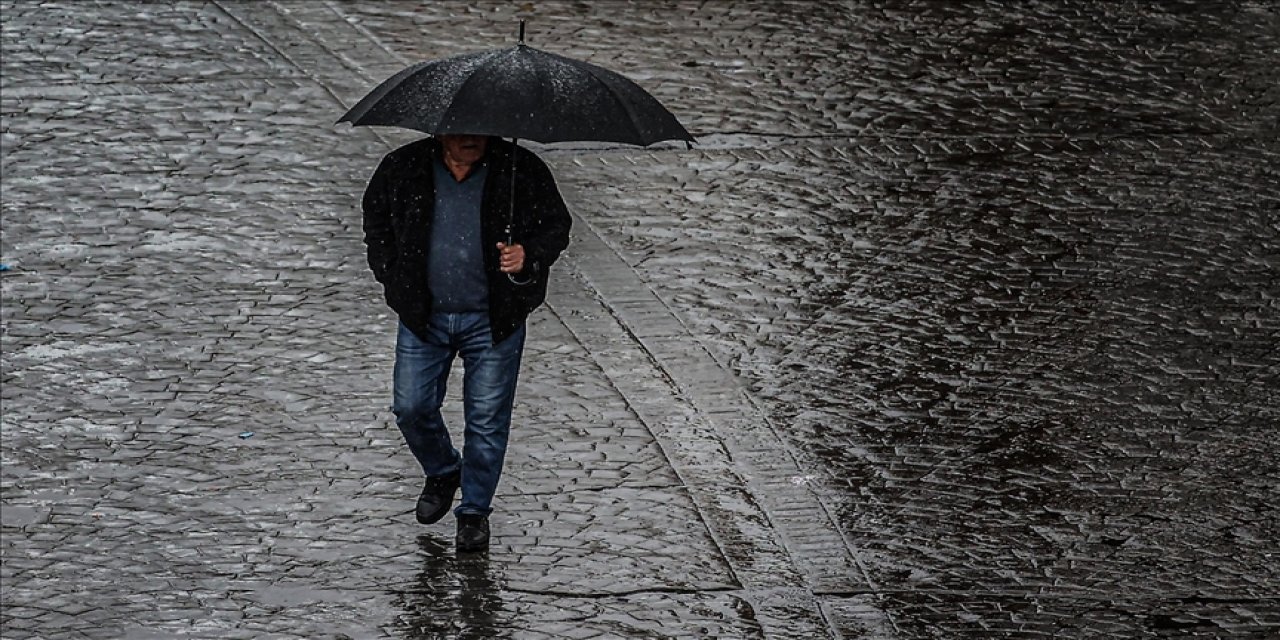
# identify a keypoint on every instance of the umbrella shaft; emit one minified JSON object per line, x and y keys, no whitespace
{"x":511,"y":213}
{"x":511,"y":201}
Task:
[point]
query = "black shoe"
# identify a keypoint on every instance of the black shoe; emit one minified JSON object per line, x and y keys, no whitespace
{"x":436,"y":498}
{"x":473,"y":532}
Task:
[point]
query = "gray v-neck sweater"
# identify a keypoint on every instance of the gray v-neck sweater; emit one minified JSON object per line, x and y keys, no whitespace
{"x":455,"y":266}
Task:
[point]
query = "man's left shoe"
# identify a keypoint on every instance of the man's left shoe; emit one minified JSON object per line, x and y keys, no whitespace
{"x":473,"y":532}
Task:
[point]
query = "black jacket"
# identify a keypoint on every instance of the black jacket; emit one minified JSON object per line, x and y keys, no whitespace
{"x":398,"y":208}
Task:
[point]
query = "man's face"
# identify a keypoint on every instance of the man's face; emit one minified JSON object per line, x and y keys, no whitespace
{"x":464,"y":149}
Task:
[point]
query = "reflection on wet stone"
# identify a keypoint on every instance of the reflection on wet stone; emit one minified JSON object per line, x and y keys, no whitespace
{"x":456,"y":597}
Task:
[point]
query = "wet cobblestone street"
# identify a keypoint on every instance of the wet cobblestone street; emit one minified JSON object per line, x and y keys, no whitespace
{"x":959,"y":321}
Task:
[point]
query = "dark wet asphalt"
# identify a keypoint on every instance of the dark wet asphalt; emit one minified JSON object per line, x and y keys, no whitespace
{"x":960,"y":322}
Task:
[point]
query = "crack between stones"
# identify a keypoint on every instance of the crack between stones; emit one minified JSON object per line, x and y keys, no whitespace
{"x":1031,"y":595}
{"x":604,"y":595}
{"x":604,"y":488}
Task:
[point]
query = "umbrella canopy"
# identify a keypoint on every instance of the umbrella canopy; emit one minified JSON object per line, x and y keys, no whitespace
{"x":519,"y":92}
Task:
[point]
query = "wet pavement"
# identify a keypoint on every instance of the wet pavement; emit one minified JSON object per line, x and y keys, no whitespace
{"x":959,"y":322}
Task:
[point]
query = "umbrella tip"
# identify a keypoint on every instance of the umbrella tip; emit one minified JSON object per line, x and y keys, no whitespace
{"x":521,"y":31}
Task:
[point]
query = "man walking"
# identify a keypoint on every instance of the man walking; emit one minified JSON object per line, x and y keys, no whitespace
{"x":437,"y":225}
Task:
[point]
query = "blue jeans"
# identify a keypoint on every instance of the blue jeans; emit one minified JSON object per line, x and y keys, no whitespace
{"x":488,"y":392}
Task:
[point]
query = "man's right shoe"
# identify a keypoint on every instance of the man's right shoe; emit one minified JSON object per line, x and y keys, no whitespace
{"x":437,"y":497}
{"x":473,"y":533}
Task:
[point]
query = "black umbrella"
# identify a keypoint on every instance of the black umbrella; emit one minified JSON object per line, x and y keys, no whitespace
{"x":519,"y":93}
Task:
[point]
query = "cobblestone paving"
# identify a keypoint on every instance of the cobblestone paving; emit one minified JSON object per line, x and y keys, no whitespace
{"x":1020,"y":319}
{"x":960,"y":321}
